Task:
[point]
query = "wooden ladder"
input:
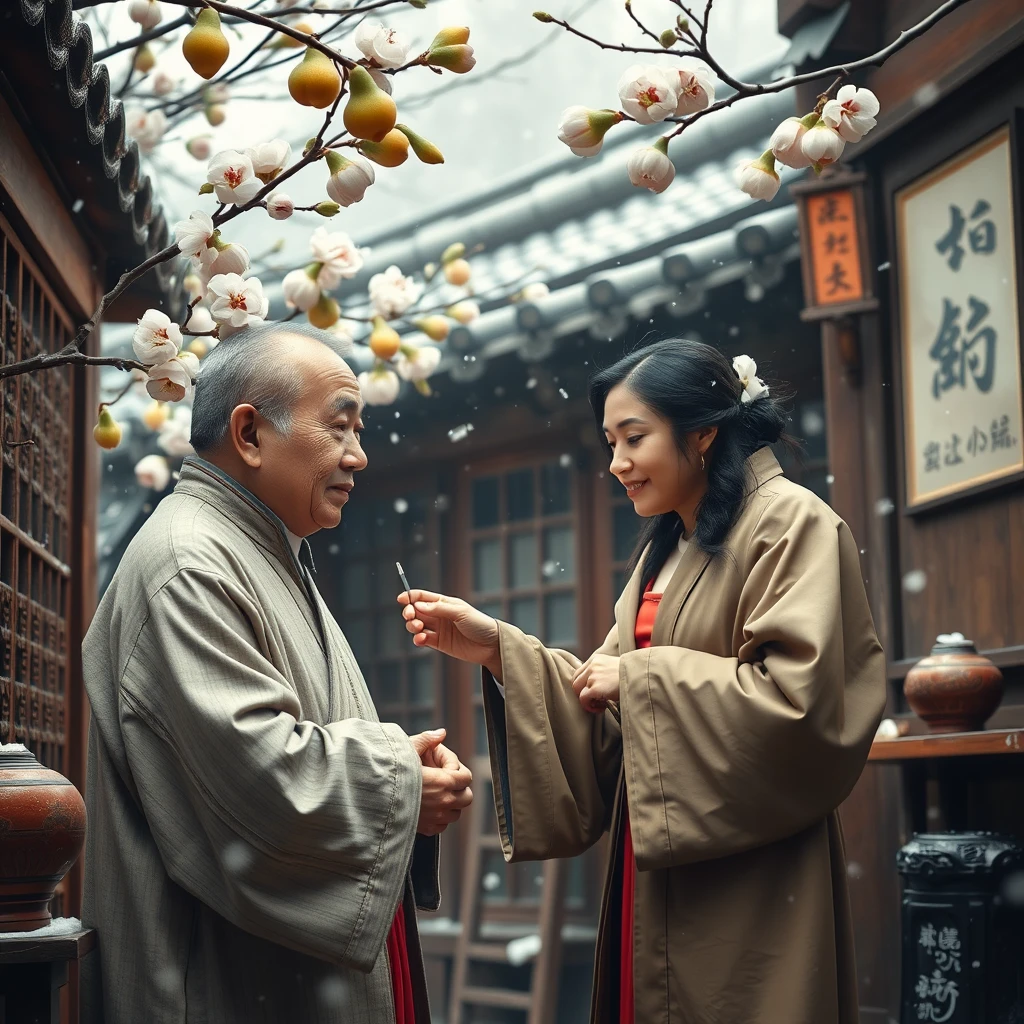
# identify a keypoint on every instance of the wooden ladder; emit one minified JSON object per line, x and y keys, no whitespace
{"x":538,"y":1002}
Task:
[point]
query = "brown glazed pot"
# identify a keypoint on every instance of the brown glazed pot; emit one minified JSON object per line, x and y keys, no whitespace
{"x":954,"y":689}
{"x":42,"y":829}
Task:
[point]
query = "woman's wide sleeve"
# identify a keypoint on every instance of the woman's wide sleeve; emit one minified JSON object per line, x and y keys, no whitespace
{"x":554,"y":766}
{"x":723,"y":754}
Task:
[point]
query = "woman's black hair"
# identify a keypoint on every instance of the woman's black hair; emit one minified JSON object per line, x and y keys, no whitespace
{"x":692,"y":385}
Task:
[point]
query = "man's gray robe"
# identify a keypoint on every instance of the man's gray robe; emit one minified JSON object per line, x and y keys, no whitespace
{"x":251,"y":823}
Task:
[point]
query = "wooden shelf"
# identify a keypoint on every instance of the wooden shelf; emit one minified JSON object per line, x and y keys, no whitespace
{"x":957,"y":744}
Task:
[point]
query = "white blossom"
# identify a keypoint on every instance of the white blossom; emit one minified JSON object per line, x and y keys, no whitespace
{"x":200,"y":322}
{"x":163,"y":84}
{"x":172,"y":381}
{"x":280,"y":206}
{"x":233,"y":178}
{"x":384,"y":45}
{"x":787,"y":143}
{"x":822,"y":144}
{"x":379,"y":387}
{"x":157,"y":338}
{"x":696,"y":86}
{"x":651,"y":168}
{"x":583,"y":130}
{"x":269,"y":159}
{"x":219,"y":92}
{"x":852,"y":113}
{"x":392,"y":293}
{"x":147,"y":129}
{"x":649,"y":93}
{"x":145,"y":13}
{"x":237,"y":302}
{"x":417,"y":363}
{"x":300,"y":291}
{"x":746,"y":369}
{"x":199,"y":147}
{"x":465,"y":311}
{"x":758,"y":178}
{"x":174,"y":435}
{"x":338,"y":256}
{"x":194,"y":237}
{"x":152,"y":471}
{"x":232,"y":259}
{"x":344,"y":330}
{"x":348,"y":184}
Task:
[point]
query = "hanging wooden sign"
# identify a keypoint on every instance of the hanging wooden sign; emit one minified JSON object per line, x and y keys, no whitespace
{"x":834,"y":247}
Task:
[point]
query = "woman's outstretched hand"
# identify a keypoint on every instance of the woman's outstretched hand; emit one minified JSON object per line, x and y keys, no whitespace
{"x":453,"y":627}
{"x":596,"y":682}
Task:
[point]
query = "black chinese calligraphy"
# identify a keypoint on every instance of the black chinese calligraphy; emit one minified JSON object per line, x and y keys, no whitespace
{"x":838,"y":280}
{"x":978,"y":441}
{"x":829,"y":211}
{"x":837,"y":243}
{"x":981,"y":236}
{"x":958,"y":351}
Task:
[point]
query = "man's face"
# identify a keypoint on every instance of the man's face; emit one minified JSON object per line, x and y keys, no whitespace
{"x":306,"y":473}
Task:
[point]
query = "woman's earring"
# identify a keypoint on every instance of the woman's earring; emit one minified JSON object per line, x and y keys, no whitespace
{"x":702,"y":462}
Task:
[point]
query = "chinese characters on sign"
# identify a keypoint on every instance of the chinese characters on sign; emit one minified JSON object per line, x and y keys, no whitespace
{"x":958,"y":298}
{"x":938,"y":990}
{"x":831,"y":223}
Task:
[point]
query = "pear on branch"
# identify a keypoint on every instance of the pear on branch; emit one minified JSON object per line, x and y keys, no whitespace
{"x":107,"y":432}
{"x":391,"y":151}
{"x":205,"y":47}
{"x":314,"y":81}
{"x":370,"y":112}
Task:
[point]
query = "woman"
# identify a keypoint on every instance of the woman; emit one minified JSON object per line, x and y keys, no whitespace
{"x":718,"y":727}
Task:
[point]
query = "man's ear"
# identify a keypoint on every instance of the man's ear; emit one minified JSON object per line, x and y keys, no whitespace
{"x":243,"y":430}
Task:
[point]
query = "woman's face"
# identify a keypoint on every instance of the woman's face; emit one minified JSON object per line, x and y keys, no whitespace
{"x":646,"y":460}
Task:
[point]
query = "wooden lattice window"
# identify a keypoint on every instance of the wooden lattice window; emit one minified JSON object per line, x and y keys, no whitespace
{"x":35,"y":577}
{"x":522,"y":541}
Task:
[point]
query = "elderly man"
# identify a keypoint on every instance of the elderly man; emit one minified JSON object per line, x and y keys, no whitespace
{"x":258,"y":840}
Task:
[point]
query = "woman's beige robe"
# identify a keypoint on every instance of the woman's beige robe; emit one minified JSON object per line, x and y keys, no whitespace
{"x":738,"y":734}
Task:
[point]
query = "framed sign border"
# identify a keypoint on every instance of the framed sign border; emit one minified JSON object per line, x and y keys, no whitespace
{"x":1013,"y":124}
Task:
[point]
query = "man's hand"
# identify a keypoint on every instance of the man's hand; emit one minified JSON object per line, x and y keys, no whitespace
{"x":446,"y":792}
{"x":597,"y":682}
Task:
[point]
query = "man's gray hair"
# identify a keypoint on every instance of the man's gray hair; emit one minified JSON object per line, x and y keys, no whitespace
{"x":242,"y":371}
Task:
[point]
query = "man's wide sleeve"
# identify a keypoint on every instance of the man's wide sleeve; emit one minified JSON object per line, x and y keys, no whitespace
{"x":299,"y":833}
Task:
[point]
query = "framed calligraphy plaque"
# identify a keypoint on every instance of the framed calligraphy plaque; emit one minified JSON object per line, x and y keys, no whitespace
{"x":834,"y":246}
{"x":963,"y":421}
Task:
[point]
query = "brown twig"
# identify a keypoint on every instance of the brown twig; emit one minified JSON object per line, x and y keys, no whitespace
{"x":67,"y":358}
{"x":124,"y":391}
{"x":145,"y":37}
{"x":841,"y":71}
{"x":306,"y":38}
{"x":640,"y":25}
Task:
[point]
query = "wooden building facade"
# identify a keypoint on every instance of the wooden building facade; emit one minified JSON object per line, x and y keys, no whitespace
{"x":925,"y":459}
{"x":75,"y":213}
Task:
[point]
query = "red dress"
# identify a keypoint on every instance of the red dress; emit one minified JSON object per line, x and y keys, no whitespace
{"x":644,"y":626}
{"x":401,"y":975}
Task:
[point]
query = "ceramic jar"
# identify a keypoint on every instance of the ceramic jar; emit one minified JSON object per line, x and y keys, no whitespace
{"x":42,"y":829}
{"x":954,"y":689}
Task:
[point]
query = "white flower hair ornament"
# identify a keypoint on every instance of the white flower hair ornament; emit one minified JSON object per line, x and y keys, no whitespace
{"x":746,"y":369}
